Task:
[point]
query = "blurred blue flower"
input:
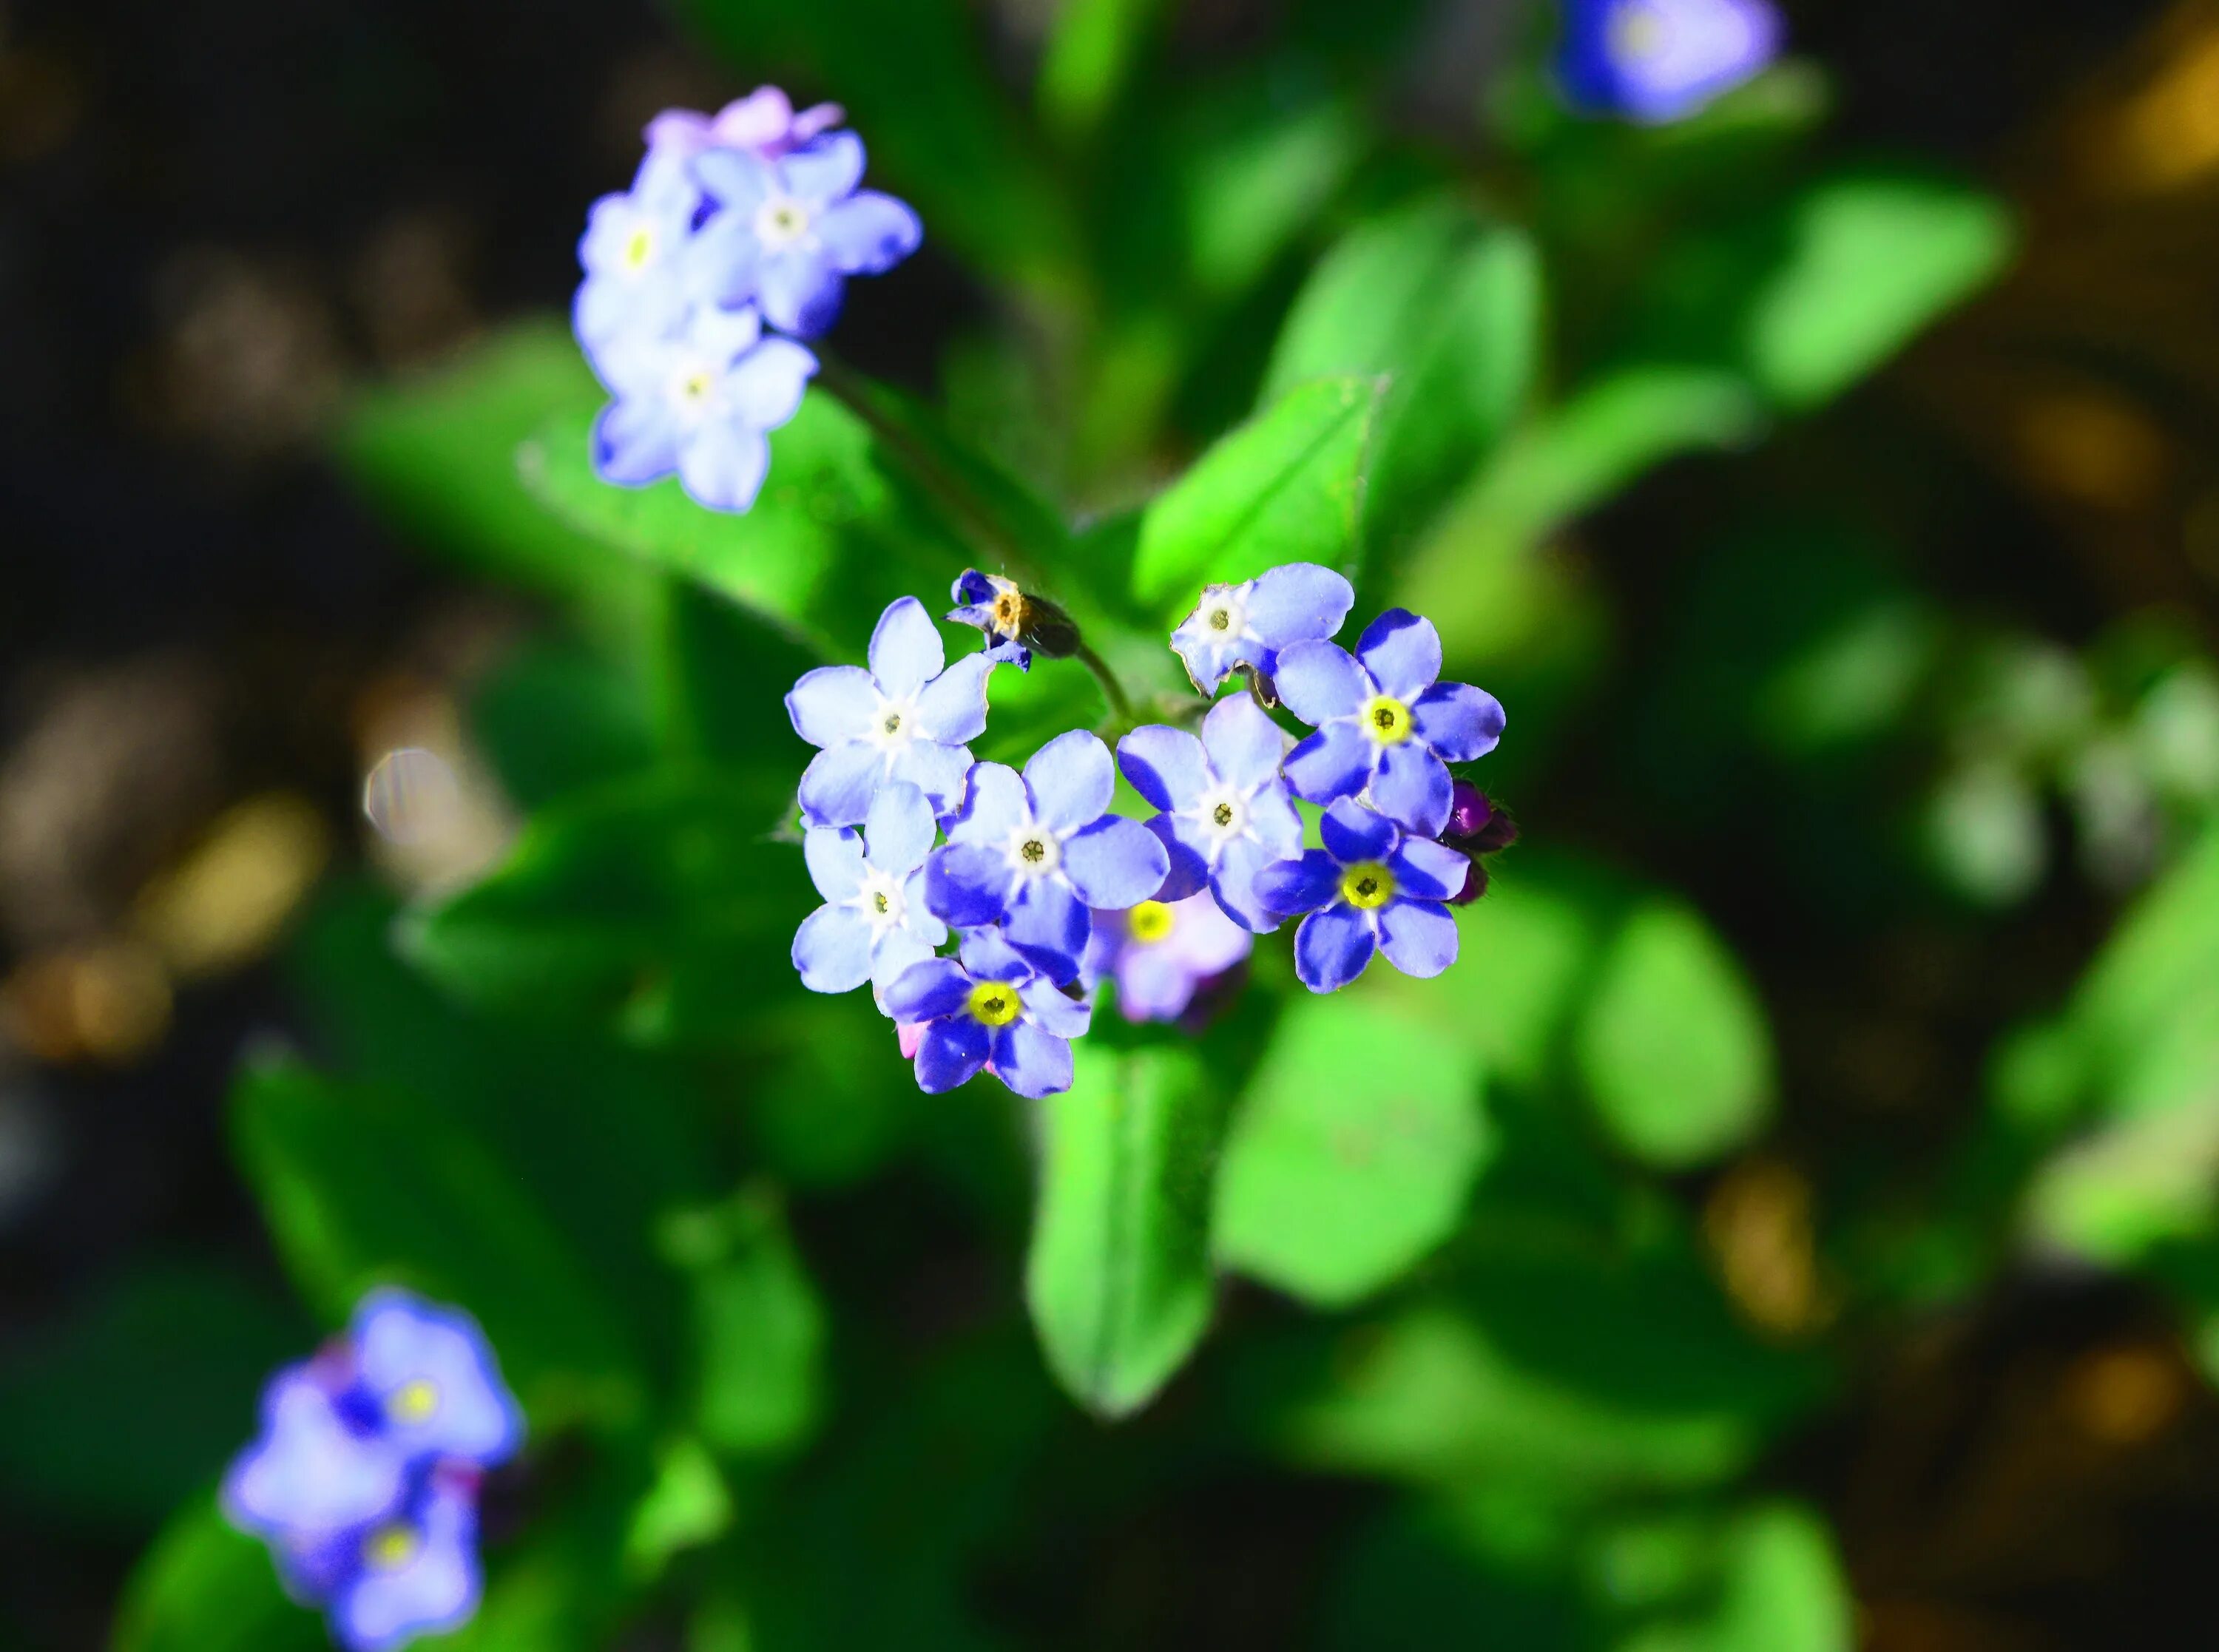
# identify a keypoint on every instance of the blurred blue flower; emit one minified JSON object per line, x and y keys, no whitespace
{"x":1033,"y":852}
{"x":1661,"y":60}
{"x":786,"y":234}
{"x":698,"y":401}
{"x":764,"y":122}
{"x":988,"y":1010}
{"x":1385,"y":724}
{"x":904,"y":719}
{"x":875,"y":923}
{"x":432,"y":1379}
{"x":1161,"y":954}
{"x":1226,"y":815}
{"x":1371,"y":888}
{"x":1248,"y":625}
{"x":411,"y":1571}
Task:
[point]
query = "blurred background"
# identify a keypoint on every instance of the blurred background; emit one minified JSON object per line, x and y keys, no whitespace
{"x":1880,"y":661}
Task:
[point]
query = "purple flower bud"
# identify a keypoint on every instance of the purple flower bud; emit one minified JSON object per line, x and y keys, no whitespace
{"x":1469,"y":813}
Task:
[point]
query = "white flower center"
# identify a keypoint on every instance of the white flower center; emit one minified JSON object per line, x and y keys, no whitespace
{"x":881,"y":902}
{"x":1639,"y":34}
{"x":893,"y":725}
{"x":692,"y":387}
{"x":779,"y":223}
{"x":1224,"y":616}
{"x":1222,"y":814}
{"x":1034,"y":851}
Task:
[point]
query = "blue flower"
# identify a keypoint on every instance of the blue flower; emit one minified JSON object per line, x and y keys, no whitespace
{"x":1226,"y":815}
{"x":697,"y":400}
{"x":1371,"y":888}
{"x":316,"y":1467}
{"x":1248,"y":625}
{"x":1032,"y":853}
{"x":988,"y":1010}
{"x":1161,"y":954}
{"x":1385,"y":724}
{"x":904,"y":719}
{"x":786,"y":234}
{"x":765,"y":122}
{"x":875,"y":923}
{"x":411,"y":1571}
{"x":1660,"y":61}
{"x":432,"y":1379}
{"x":1000,"y":609}
{"x":636,"y":250}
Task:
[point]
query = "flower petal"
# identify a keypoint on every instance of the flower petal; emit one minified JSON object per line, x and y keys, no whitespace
{"x":1233,"y":884}
{"x":1044,"y":1004}
{"x":1031,"y":1060}
{"x":800,"y":292}
{"x":833,"y":704}
{"x":1116,"y":862}
{"x":1334,"y":762}
{"x":897,"y":952}
{"x":738,"y":182}
{"x":929,"y":990}
{"x":1412,"y":789}
{"x":937,"y":771}
{"x":967,"y":883}
{"x":1274,"y":823}
{"x":722,"y":264}
{"x":832,"y":950}
{"x":765,"y":391}
{"x":1402,"y":652}
{"x":1460,"y":723}
{"x":1206,"y":939}
{"x":1302,"y":885}
{"x":1153,"y":983}
{"x":1319,"y":683}
{"x":952,"y":1053}
{"x":837,"y":785}
{"x":905,"y":649}
{"x":401,"y":1340}
{"x":1332,"y":948}
{"x":869,"y":233}
{"x":1189,"y":855}
{"x":994,"y":806}
{"x":897,"y":833}
{"x":1351,"y":832}
{"x":1418,"y":937}
{"x":435,"y":1589}
{"x":952,"y":707}
{"x":988,"y":956}
{"x":1166,"y":765}
{"x":309,"y":1471}
{"x":1071,"y":780}
{"x":1429,"y":871}
{"x":1245,"y":746}
{"x":722,"y":466}
{"x":921,"y":921}
{"x":634,"y":442}
{"x":1298,"y":603}
{"x":824,"y":170}
{"x":1048,"y":925}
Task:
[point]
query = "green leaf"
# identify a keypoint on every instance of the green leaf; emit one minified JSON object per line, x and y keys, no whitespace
{"x":562,"y":1584}
{"x":1672,"y":1043}
{"x":1448,"y":307}
{"x":1287,"y":486}
{"x":87,"y":1432}
{"x":759,"y":1328}
{"x":1353,"y":1152}
{"x":1252,"y":172}
{"x":1118,"y":1276}
{"x":1777,"y":1586}
{"x":687,"y":1505}
{"x":203,"y":1586}
{"x":364,"y":1187}
{"x":1090,"y":54}
{"x":554,"y":718}
{"x":438,"y":455}
{"x":663,"y":909}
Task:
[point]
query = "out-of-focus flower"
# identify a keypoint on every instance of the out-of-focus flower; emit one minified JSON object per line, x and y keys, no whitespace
{"x":1372,"y":888}
{"x":992,"y":1012}
{"x":412,"y":1571}
{"x":1161,"y":954}
{"x":1226,"y":812}
{"x":765,"y":122}
{"x":1662,"y":60}
{"x":1247,"y":624}
{"x":875,"y":923}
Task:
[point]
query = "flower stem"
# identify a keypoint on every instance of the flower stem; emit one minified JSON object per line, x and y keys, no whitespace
{"x":1112,"y":690}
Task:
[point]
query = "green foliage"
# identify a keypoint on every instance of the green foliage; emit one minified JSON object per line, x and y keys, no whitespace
{"x":205,"y":1587}
{"x":759,"y":1327}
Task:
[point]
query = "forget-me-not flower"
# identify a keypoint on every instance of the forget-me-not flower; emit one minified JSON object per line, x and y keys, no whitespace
{"x":988,"y":1009}
{"x":1161,"y":954}
{"x":636,"y":250}
{"x":1385,"y":723}
{"x":765,"y":122}
{"x":1015,"y":621}
{"x":786,"y":234}
{"x":429,"y":1376}
{"x":1371,"y":888}
{"x":1249,"y":624}
{"x":1661,"y":60}
{"x":875,"y":923}
{"x":1226,"y":815}
{"x":698,"y":400}
{"x":1034,"y":851}
{"x":904,"y":719}
{"x":412,"y":1571}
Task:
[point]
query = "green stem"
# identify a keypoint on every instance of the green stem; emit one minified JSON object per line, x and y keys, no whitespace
{"x":1112,"y":690}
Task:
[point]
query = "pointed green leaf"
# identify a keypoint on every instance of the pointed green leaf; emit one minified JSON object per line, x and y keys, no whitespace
{"x":759,"y":1327}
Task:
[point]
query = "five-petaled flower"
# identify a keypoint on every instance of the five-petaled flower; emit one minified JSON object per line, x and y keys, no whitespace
{"x":988,"y":1009}
{"x":1248,"y":625}
{"x":634,"y":252}
{"x":1226,"y":812}
{"x":1661,"y":60}
{"x":1371,"y":888}
{"x":1161,"y":954}
{"x":786,"y":233}
{"x":875,"y":923}
{"x":904,"y":719}
{"x":1385,"y":724}
{"x":1032,"y":853}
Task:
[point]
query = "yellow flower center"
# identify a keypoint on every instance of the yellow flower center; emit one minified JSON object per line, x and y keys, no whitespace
{"x":1222,"y":814}
{"x":639,"y":249}
{"x":1367,"y":884}
{"x":1009,"y":614}
{"x":390,"y":1547}
{"x":1149,"y":922}
{"x":879,"y":901}
{"x":1386,"y":720}
{"x":1639,"y":34}
{"x":413,"y":1401}
{"x":994,"y":1004}
{"x":1033,"y":850}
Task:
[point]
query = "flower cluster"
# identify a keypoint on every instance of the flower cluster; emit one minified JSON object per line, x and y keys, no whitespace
{"x":1655,"y":61}
{"x":365,"y":1479}
{"x":747,"y":221}
{"x":1047,"y":893}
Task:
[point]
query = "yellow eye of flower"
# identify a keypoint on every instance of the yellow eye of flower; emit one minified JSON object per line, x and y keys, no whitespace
{"x":1222,"y":814}
{"x":1149,"y":921}
{"x":879,"y":901}
{"x":1367,"y":884}
{"x":1009,"y":614}
{"x":994,"y":1004}
{"x":1220,"y":619}
{"x":413,"y":1401}
{"x":390,"y":1547}
{"x":1032,"y":850}
{"x":1386,"y":720}
{"x":639,"y":249}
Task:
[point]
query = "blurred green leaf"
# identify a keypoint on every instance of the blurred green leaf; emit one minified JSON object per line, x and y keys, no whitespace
{"x":1777,"y":1586}
{"x":362,"y":1187}
{"x":560,"y":1584}
{"x":721,"y":676}
{"x":1287,"y":486}
{"x":1353,"y":1151}
{"x":204,"y":1588}
{"x":1448,"y":307}
{"x":686,"y":1507}
{"x":1090,"y":53}
{"x":759,"y":1328}
{"x":664,"y":908}
{"x":1118,"y":1278}
{"x":1672,"y":1042}
{"x":1252,"y":170}
{"x":1986,"y":836}
{"x":2159,"y":968}
{"x":438,"y":455}
{"x":554,"y":717}
{"x":140,"y":1395}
